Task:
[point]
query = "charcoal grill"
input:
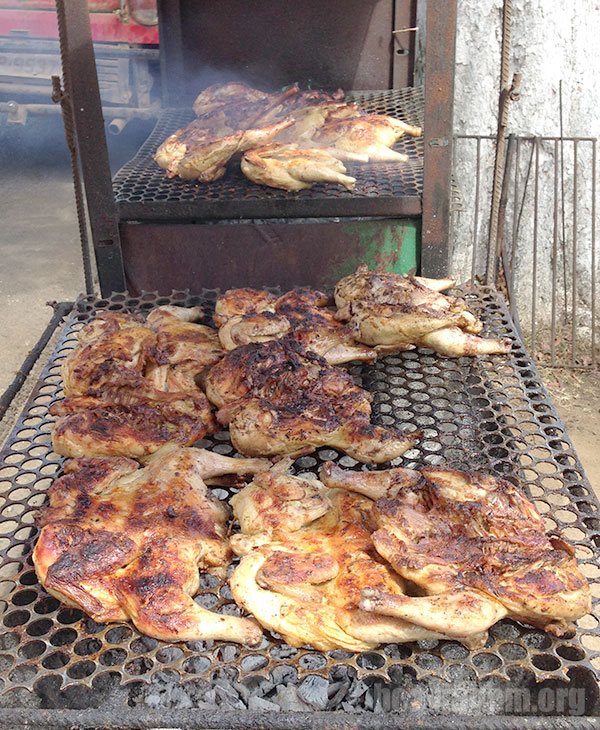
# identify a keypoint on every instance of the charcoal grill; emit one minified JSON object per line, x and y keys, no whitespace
{"x":489,"y":413}
{"x":150,"y":233}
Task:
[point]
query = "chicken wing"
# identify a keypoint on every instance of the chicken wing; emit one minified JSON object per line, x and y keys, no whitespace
{"x":394,"y":313}
{"x":279,"y":399}
{"x":246,"y":315}
{"x":306,"y":554}
{"x":474,"y":545}
{"x":122,"y":542}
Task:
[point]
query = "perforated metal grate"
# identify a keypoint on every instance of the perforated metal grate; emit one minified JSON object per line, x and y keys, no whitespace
{"x":144,"y":192}
{"x":478,"y":413}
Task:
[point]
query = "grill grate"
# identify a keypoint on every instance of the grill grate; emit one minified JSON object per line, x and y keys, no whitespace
{"x":143,"y":191}
{"x":485,"y":413}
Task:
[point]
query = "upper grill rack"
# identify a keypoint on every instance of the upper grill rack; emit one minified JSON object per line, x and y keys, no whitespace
{"x":143,"y":192}
{"x":478,"y":413}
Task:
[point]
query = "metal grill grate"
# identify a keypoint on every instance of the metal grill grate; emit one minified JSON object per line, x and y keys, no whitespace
{"x":482,"y":413}
{"x":143,"y":191}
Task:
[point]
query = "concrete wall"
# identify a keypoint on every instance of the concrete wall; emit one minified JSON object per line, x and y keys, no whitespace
{"x":552,"y":40}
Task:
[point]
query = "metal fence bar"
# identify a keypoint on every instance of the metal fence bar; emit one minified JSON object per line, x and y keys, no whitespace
{"x":554,"y":261}
{"x":476,"y":211}
{"x":574,"y":262}
{"x":593,"y":235}
{"x":535,"y":245}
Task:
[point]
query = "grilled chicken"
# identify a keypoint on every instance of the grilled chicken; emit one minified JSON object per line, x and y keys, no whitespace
{"x":129,"y":423}
{"x":184,"y":348}
{"x":307,"y":553}
{"x":250,"y":315}
{"x":290,"y":167}
{"x":114,"y":350}
{"x":372,"y":135}
{"x":394,"y":313}
{"x":131,"y":385}
{"x":219,"y":96}
{"x":122,"y":542}
{"x":279,"y":399}
{"x":474,"y":545}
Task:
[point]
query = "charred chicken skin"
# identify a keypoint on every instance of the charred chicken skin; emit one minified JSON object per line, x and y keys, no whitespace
{"x":131,"y":385}
{"x":394,"y":313}
{"x":306,"y":555}
{"x":279,"y":399}
{"x":474,"y":545}
{"x":122,"y":542}
{"x":249,"y":315}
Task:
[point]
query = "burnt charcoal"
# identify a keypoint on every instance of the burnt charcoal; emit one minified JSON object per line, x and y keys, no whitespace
{"x":253,"y":663}
{"x":283,"y":651}
{"x":284,"y":675}
{"x":228,"y":653}
{"x":228,"y":696}
{"x":337,"y":692}
{"x":287,"y":698}
{"x":254,"y":687}
{"x":312,"y":661}
{"x":259,"y":704}
{"x":357,"y":693}
{"x":313,"y":691}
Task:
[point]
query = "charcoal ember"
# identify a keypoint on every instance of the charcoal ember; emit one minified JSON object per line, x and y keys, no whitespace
{"x":228,"y":653}
{"x":314,"y":691}
{"x":288,"y":700}
{"x":254,"y":686}
{"x":253,"y":662}
{"x":228,"y":696}
{"x":284,"y":675}
{"x":337,"y":692}
{"x":199,"y":646}
{"x":259,"y":704}
{"x":283,"y":651}
{"x":356,"y":693}
{"x":342,"y":672}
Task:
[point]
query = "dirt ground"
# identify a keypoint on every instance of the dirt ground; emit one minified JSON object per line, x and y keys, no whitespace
{"x":577,"y":397}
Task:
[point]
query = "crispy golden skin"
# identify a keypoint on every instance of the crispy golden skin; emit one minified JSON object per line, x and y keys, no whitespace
{"x":293,"y":167}
{"x":279,"y":399}
{"x":394,"y":313}
{"x":250,"y":315}
{"x":122,"y":542}
{"x":474,"y":545}
{"x":306,"y":555}
{"x":132,"y":385}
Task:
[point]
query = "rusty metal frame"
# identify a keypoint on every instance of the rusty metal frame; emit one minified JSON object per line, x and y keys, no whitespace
{"x":84,"y":106}
{"x":440,"y":45}
{"x":83,"y":110}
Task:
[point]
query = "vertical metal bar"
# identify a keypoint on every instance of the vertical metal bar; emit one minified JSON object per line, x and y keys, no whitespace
{"x":403,"y":46}
{"x":593,"y":252}
{"x":81,"y":87}
{"x":172,"y":76}
{"x":437,"y":138}
{"x":554,"y":254}
{"x":574,"y":262}
{"x":535,"y":245}
{"x":515,"y":210}
{"x":476,"y":213}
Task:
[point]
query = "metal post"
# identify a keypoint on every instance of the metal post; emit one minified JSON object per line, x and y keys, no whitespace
{"x":437,"y":165}
{"x":83,"y":96}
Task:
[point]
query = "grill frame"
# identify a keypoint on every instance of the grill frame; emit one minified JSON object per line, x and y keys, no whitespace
{"x":403,"y":387}
{"x":143,"y":192}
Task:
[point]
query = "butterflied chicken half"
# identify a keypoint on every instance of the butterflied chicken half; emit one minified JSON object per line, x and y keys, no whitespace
{"x":306,"y":555}
{"x":393,"y":313}
{"x":279,"y":399}
{"x":251,"y":315}
{"x":127,"y":543}
{"x":474,"y":549}
{"x":130,"y":385}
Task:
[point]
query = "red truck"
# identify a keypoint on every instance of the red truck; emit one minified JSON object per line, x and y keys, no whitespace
{"x":125,"y":34}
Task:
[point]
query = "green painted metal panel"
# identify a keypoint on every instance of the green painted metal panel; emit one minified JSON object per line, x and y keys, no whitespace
{"x":388,"y":244}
